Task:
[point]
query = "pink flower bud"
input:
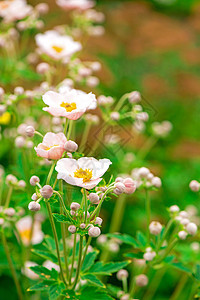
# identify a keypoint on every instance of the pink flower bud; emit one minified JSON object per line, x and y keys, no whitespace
{"x":2,"y":109}
{"x":156,"y":182}
{"x":30,"y":131}
{"x":9,"y":211}
{"x":94,"y":198}
{"x":72,"y":212}
{"x":19,"y":142}
{"x":75,"y":206}
{"x":1,"y":221}
{"x":82,"y":225}
{"x":1,"y":92}
{"x":121,"y":274}
{"x":34,"y":206}
{"x":42,"y":68}
{"x":11,"y":179}
{"x":148,"y":256}
{"x":130,"y":186}
{"x":42,"y":8}
{"x":19,"y":90}
{"x":182,"y":234}
{"x":119,"y":179}
{"x":88,"y":214}
{"x":194,"y":186}
{"x":134,"y":97}
{"x":155,"y":228}
{"x":174,"y":208}
{"x":191,"y":228}
{"x":34,"y":179}
{"x":34,"y":197}
{"x":46,"y":191}
{"x":22,"y":184}
{"x":71,"y":146}
{"x":98,"y":221}
{"x":143,"y":172}
{"x":119,"y":187}
{"x":141,"y":280}
{"x":94,"y":231}
{"x":72,"y":229}
{"x":115,"y":116}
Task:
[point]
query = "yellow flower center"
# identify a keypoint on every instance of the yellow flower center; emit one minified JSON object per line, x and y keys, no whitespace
{"x":48,"y":148}
{"x":57,"y":49}
{"x":85,"y":174}
{"x":25,"y":234}
{"x":68,"y":106}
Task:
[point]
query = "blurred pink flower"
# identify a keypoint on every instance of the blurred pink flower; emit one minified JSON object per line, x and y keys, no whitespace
{"x":14,"y":10}
{"x":57,"y":46}
{"x":52,"y":146}
{"x":85,"y":172}
{"x":75,"y":4}
{"x":24,"y":227}
{"x":71,"y":104}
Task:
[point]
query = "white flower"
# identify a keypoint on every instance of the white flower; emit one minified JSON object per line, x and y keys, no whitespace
{"x":75,"y":4}
{"x":58,"y":47}
{"x":71,"y":104}
{"x":14,"y":10}
{"x":28,"y":272}
{"x":85,"y":172}
{"x":50,"y":265}
{"x":24,"y":227}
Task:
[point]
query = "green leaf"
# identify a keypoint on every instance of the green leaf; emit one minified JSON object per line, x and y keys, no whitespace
{"x":181,"y":267}
{"x":89,"y":260}
{"x":125,"y":238}
{"x":56,"y":290}
{"x":46,"y":255}
{"x":62,"y":218}
{"x":45,"y":273}
{"x":41,"y":286}
{"x":107,"y":268}
{"x":134,"y":255}
{"x":93,"y":280}
{"x":197,"y":273}
{"x":50,"y":243}
{"x":94,"y":293}
{"x":141,"y":238}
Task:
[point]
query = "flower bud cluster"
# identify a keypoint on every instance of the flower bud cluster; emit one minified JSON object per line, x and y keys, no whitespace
{"x":149,"y":254}
{"x":112,"y":245}
{"x":186,"y":225}
{"x":144,"y":178}
{"x":11,"y":180}
{"x":127,"y":186}
{"x":140,"y":117}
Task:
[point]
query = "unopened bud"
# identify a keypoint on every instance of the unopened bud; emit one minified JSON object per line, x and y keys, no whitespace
{"x":174,"y":208}
{"x":94,"y":231}
{"x":42,"y":68}
{"x":46,"y":191}
{"x":72,"y":229}
{"x":34,"y":179}
{"x":155,"y":228}
{"x":134,"y":97}
{"x":94,"y":198}
{"x":115,"y":116}
{"x":191,"y":228}
{"x":182,"y":235}
{"x":9,"y":211}
{"x":194,"y":186}
{"x":71,"y":146}
{"x":121,"y":274}
{"x":42,"y":8}
{"x":141,"y":280}
{"x":98,"y":221}
{"x":34,"y":206}
{"x":130,"y":186}
{"x":156,"y":181}
{"x":19,"y":142}
{"x":19,"y":90}
{"x":2,"y":109}
{"x":82,"y":225}
{"x":30,"y":131}
{"x":22,"y":184}
{"x":119,"y":188}
{"x":11,"y":179}
{"x":75,"y":206}
{"x":34,"y":197}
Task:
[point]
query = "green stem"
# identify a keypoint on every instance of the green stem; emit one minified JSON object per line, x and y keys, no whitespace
{"x":66,"y":125}
{"x":169,"y":224}
{"x":97,"y":209}
{"x":121,"y":102}
{"x":50,"y":172}
{"x":79,"y":262}
{"x":73,"y":258}
{"x":7,"y":202}
{"x":38,"y":133}
{"x":69,"y":129}
{"x":179,"y":287}
{"x":63,"y":231}
{"x":169,"y":248}
{"x":84,"y":137}
{"x":124,"y":283}
{"x":11,"y":266}
{"x":56,"y":240}
{"x":154,"y":284}
{"x":118,"y":214}
{"x":148,"y":212}
{"x":63,"y":205}
{"x":85,"y":202}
